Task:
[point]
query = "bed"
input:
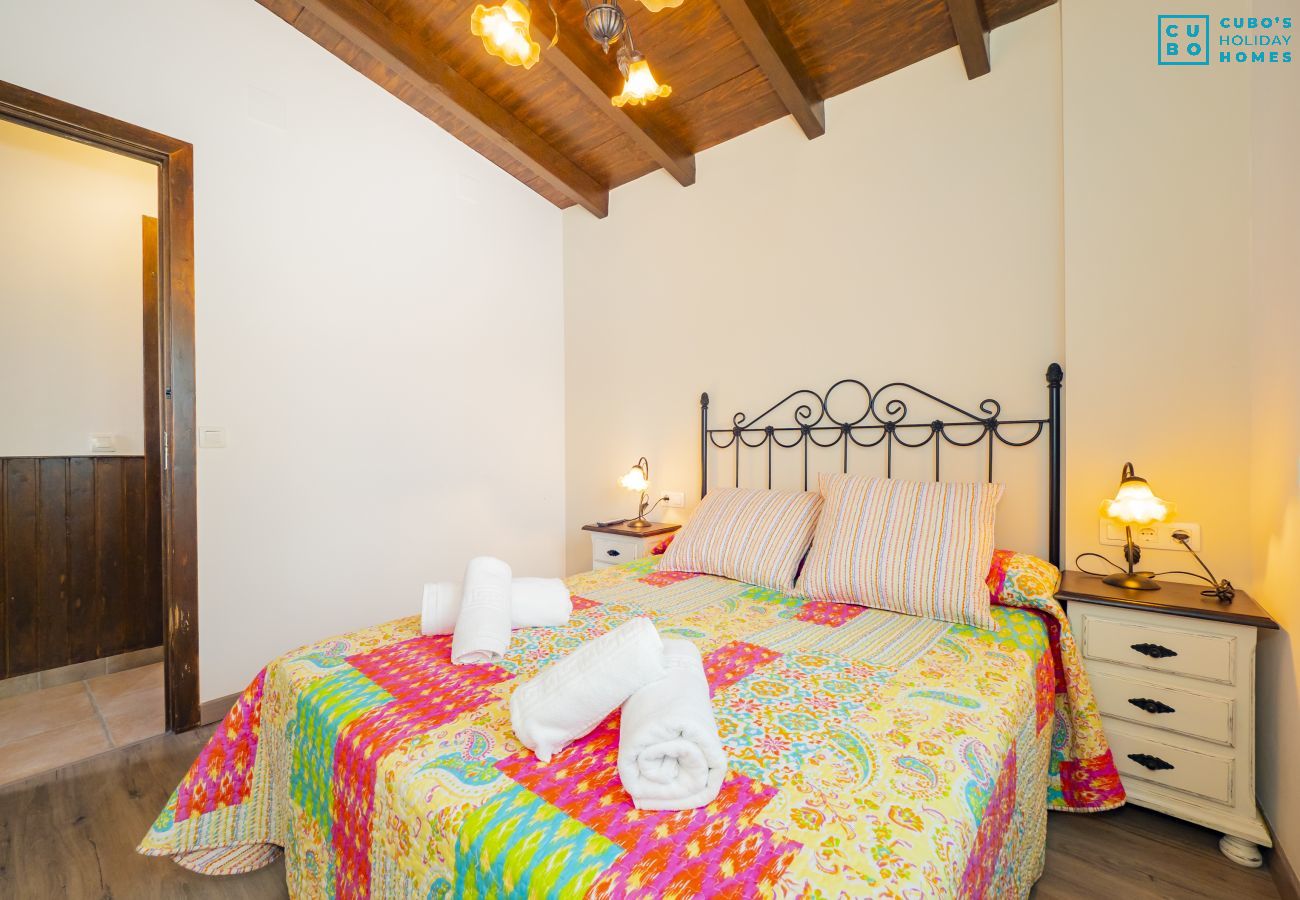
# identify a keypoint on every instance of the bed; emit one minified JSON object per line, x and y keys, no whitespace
{"x":873,"y":754}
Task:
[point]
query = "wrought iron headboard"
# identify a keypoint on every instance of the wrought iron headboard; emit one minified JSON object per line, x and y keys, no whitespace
{"x":884,"y":420}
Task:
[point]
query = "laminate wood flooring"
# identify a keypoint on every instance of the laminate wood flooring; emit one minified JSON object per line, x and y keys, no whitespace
{"x":72,"y":833}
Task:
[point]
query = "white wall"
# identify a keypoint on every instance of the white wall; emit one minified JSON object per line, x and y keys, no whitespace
{"x":1157,"y":238}
{"x":918,"y":240}
{"x":1274,"y":313}
{"x":71,"y":317}
{"x":360,"y":332}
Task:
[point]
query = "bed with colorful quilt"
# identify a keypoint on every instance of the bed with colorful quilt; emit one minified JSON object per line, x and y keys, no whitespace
{"x":872,"y":754}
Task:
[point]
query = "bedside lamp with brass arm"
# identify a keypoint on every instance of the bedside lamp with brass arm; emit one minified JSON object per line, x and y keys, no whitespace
{"x":1134,"y":506}
{"x":638,"y":479}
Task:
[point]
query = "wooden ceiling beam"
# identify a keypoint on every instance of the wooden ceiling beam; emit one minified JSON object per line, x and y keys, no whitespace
{"x":598,"y":79}
{"x":772,"y":50}
{"x":372,"y":32}
{"x":972,"y":35}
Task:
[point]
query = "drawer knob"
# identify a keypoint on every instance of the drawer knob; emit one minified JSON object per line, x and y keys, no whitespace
{"x":612,"y":552}
{"x":1151,"y":706}
{"x":1155,"y":651}
{"x":1147,"y":761}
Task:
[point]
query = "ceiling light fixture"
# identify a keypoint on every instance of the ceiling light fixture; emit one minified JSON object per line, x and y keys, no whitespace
{"x":639,"y":85}
{"x":506,"y":33}
{"x":505,"y":30}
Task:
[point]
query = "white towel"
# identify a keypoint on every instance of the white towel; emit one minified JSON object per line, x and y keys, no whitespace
{"x":483,"y":627}
{"x":534,"y":603}
{"x":540,"y":603}
{"x":669,"y":755}
{"x":574,"y":694}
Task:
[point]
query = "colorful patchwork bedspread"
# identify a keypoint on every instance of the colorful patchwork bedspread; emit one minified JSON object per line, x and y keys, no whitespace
{"x":872,"y":755}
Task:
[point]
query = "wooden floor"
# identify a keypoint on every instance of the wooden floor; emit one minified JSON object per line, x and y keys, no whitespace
{"x":71,"y":833}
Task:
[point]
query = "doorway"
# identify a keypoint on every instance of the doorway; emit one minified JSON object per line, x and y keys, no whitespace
{"x":168,"y":471}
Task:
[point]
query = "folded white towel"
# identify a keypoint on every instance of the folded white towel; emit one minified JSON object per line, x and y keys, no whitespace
{"x":482,"y":632}
{"x":534,"y":603}
{"x":669,"y":755}
{"x":574,"y":694}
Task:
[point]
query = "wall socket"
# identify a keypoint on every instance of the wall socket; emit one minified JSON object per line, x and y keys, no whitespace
{"x":675,"y":499}
{"x":1152,"y":537}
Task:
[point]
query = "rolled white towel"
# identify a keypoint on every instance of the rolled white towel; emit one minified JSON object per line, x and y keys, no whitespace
{"x":440,"y":607}
{"x":669,"y":755}
{"x":482,"y":632}
{"x":534,"y":603}
{"x":540,"y":603}
{"x":574,"y":694}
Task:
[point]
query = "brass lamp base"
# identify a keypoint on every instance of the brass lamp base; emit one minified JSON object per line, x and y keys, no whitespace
{"x":638,"y":522}
{"x":1132,"y":581}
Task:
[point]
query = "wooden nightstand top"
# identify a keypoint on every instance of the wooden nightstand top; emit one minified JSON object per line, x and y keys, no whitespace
{"x":1173,"y":597}
{"x":656,"y":528}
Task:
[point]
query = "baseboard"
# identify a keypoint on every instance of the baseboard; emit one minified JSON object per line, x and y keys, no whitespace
{"x":1281,"y":868}
{"x":215,"y":710}
{"x":82,"y":671}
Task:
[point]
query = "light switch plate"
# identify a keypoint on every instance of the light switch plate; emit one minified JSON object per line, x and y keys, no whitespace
{"x":103,"y":443}
{"x":212,"y":437}
{"x":676,"y":499}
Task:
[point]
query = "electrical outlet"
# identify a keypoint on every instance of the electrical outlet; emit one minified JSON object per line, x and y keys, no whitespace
{"x":676,"y":499}
{"x":1152,"y":537}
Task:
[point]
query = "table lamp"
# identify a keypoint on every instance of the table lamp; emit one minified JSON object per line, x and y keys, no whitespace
{"x":1134,"y":504}
{"x":638,"y":479}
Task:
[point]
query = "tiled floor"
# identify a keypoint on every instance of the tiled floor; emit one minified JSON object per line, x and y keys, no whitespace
{"x":52,"y":727}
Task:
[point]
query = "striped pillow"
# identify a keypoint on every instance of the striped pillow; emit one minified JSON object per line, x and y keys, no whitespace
{"x":921,"y":548}
{"x":755,"y":536}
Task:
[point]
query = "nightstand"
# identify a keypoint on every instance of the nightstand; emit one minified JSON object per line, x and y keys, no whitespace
{"x":1174,"y":677}
{"x":618,"y":544}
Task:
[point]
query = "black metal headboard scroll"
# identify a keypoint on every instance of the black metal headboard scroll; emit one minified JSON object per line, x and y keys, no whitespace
{"x":884,"y":420}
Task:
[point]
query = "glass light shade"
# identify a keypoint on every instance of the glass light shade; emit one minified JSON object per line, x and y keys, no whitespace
{"x":635,"y":480}
{"x":640,"y":86}
{"x":1135,"y":504}
{"x":657,"y":5}
{"x":505,"y":32}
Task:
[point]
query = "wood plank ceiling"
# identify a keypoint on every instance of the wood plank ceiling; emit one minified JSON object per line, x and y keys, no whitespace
{"x":733,"y":65}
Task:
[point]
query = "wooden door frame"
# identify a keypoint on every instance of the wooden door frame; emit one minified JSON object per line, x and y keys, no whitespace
{"x":171,"y":417}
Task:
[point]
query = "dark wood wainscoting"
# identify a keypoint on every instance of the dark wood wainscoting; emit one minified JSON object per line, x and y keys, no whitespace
{"x":80,"y":564}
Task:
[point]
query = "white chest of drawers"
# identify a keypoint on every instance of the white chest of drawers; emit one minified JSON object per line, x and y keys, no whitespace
{"x":1174,"y":677}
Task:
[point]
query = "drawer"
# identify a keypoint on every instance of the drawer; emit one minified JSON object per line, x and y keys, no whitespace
{"x":614,"y":549}
{"x":1169,"y":709}
{"x":1161,"y":649}
{"x":1204,"y":774}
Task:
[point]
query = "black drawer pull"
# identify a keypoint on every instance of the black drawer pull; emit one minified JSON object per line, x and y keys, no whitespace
{"x":1155,"y":651}
{"x":612,"y":552}
{"x":1147,"y":761}
{"x":1151,"y":706}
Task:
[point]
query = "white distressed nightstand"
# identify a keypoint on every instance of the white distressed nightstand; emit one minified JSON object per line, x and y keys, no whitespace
{"x":1174,"y":676}
{"x":618,"y":544}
